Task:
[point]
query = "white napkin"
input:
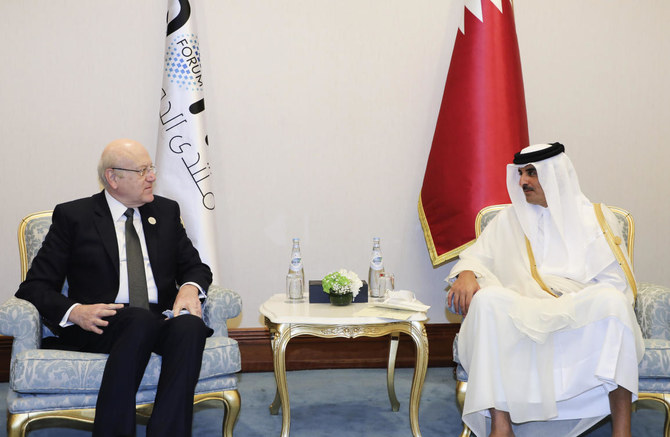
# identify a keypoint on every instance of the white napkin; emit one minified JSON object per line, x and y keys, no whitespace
{"x":402,"y":300}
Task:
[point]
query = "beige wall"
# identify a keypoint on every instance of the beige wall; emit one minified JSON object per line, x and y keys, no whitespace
{"x":320,"y":118}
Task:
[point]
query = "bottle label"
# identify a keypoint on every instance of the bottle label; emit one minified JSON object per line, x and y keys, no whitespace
{"x":376,"y":263}
{"x":296,"y":264}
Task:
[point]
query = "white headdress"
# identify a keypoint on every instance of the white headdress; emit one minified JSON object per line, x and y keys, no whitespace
{"x":572,"y":244}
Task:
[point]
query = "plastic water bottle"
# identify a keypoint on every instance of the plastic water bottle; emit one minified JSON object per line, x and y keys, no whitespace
{"x":376,"y":267}
{"x":296,"y":261}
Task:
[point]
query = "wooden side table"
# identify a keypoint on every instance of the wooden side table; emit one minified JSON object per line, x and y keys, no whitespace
{"x":288,"y":320}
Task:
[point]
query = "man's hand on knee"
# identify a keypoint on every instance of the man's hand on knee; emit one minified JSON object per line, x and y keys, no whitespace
{"x":91,"y":317}
{"x":461,"y":292}
{"x":188,"y":299}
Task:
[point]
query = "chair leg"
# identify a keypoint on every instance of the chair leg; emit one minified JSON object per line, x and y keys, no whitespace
{"x":663,"y":399}
{"x":232,"y":403}
{"x":461,"y":387}
{"x":17,"y":424}
{"x":466,"y":431}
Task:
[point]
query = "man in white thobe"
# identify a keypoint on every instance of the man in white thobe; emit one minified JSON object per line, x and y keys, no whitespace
{"x":550,"y":341}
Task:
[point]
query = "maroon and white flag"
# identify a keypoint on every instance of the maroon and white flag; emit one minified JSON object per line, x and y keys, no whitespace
{"x":481,"y":124}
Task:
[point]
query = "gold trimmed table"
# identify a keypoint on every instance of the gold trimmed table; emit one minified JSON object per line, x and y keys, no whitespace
{"x":288,"y":320}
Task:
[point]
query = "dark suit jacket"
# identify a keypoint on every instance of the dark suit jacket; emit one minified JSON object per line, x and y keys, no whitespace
{"x":81,"y":247}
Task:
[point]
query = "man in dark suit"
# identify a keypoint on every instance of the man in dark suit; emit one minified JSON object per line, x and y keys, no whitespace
{"x":86,"y":245}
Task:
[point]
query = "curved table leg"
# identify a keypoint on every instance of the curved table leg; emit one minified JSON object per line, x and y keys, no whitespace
{"x":418,"y":334}
{"x":390,"y":371}
{"x":279,"y":356}
{"x":276,"y":403}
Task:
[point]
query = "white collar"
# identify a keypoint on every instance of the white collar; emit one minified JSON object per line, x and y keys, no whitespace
{"x":117,"y":208}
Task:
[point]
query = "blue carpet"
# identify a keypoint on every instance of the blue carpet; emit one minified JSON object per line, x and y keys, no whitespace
{"x":342,"y":402}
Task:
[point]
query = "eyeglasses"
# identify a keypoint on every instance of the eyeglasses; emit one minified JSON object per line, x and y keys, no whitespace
{"x":141,"y":172}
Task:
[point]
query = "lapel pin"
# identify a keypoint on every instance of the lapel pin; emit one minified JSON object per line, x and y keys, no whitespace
{"x":151,"y":220}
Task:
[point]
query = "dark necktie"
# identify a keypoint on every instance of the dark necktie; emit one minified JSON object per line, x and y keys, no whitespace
{"x":137,"y":280}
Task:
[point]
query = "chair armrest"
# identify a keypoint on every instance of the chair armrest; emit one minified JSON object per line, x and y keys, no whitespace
{"x":652,"y":308}
{"x":21,"y":320}
{"x":221,"y":304}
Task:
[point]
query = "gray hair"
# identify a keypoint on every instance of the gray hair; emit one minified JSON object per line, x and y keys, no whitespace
{"x":106,"y":161}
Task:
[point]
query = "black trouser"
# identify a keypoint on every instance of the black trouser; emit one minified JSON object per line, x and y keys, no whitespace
{"x":129,"y":339}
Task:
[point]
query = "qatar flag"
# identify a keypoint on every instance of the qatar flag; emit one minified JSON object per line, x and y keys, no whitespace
{"x":481,"y":125}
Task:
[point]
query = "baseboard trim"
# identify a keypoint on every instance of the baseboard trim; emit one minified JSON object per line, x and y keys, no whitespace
{"x":309,"y":352}
{"x":5,"y":356}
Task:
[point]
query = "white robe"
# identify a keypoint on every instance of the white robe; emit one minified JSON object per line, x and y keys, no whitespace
{"x":550,"y":362}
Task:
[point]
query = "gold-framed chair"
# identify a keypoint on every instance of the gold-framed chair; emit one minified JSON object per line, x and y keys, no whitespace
{"x":56,"y":384}
{"x":652,"y":308}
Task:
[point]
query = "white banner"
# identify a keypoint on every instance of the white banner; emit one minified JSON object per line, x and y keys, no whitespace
{"x":182,"y":159}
